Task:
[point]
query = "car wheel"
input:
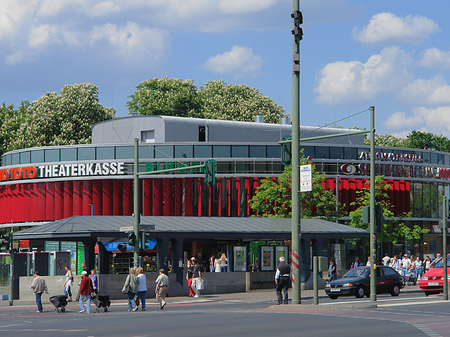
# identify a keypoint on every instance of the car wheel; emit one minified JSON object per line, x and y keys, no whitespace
{"x":395,"y":290}
{"x":427,"y":293}
{"x":333,"y":297}
{"x":360,"y":292}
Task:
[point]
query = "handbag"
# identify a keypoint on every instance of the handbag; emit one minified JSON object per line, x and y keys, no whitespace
{"x":126,"y":290}
{"x":200,"y":285}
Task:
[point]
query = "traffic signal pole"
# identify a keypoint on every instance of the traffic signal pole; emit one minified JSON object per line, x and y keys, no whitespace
{"x":137,"y":219}
{"x":373,"y":266}
{"x":444,"y":247}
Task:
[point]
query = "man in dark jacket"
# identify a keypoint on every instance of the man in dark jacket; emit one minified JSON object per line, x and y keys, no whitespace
{"x":282,"y":280}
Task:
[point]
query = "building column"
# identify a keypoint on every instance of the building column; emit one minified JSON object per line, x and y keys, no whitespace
{"x":103,"y":259}
{"x":177,"y":263}
{"x":163,"y":254}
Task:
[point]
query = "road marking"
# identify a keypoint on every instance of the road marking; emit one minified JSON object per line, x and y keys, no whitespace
{"x":409,"y":303}
{"x":426,"y":330}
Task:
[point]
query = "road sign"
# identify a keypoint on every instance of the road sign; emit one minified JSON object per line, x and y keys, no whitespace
{"x":126,"y":229}
{"x":144,"y":227}
{"x":305,"y":178}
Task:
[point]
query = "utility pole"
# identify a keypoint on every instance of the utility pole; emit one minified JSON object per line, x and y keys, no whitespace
{"x":296,"y":221}
{"x":444,"y":247}
{"x":373,"y":280}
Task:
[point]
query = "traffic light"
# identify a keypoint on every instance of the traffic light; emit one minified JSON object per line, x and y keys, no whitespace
{"x":131,"y":239}
{"x":297,"y":30}
{"x":122,"y":247}
{"x":5,"y":242}
{"x":210,"y":172}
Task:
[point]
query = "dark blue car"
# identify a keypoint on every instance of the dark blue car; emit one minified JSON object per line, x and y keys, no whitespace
{"x":357,"y":283}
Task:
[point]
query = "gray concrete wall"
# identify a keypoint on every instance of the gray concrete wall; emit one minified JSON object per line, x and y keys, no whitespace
{"x":215,"y":283}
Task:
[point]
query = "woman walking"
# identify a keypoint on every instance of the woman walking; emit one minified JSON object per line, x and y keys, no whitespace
{"x":189,"y":275}
{"x":332,"y":271}
{"x":223,"y":263}
{"x":68,"y":283}
{"x":142,"y":287}
{"x":131,"y":283}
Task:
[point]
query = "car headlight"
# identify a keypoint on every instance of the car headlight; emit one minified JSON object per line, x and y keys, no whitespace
{"x":424,"y":278}
{"x":347,"y":285}
{"x":328,"y":285}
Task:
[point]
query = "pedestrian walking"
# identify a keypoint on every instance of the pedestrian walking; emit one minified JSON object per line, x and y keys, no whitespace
{"x":94,"y":279}
{"x":196,"y":277}
{"x":189,"y":275}
{"x":85,"y":292}
{"x":142,"y":287}
{"x":356,"y":263}
{"x":406,"y":265}
{"x":282,"y":279}
{"x":130,"y":288}
{"x":212,"y":262}
{"x":332,"y":271}
{"x":427,"y":263}
{"x":223,"y":263}
{"x":68,"y":283}
{"x":38,"y":286}
{"x":162,"y":288}
{"x":217,"y":266}
{"x":386,"y":259}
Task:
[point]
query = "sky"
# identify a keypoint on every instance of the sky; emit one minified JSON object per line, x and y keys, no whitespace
{"x":394,"y":55}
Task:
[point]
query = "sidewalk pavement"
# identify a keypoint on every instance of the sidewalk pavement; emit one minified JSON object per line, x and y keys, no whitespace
{"x":253,"y":296}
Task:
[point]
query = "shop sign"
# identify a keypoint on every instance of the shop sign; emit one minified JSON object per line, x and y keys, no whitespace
{"x":391,"y":156}
{"x":62,"y":170}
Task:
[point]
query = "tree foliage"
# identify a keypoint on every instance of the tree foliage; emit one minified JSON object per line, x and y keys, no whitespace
{"x":427,"y":141}
{"x":10,"y":119}
{"x":274,"y":198}
{"x":214,"y":100}
{"x":393,"y":230}
{"x":61,"y":119}
{"x":387,"y":140}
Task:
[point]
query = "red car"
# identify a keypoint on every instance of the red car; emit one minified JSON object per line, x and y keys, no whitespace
{"x":431,"y":282}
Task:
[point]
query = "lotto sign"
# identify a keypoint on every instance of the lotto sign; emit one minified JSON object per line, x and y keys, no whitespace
{"x":305,"y":178}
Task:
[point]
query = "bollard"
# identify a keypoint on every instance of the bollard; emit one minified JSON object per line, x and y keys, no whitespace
{"x":316,"y":280}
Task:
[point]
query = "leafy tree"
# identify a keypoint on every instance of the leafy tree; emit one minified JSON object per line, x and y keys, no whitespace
{"x":427,"y":141}
{"x":66,"y":118}
{"x":10,"y":120}
{"x":165,"y":96}
{"x":215,"y":100}
{"x":387,"y":140}
{"x":237,"y":102}
{"x":393,"y":230}
{"x":274,"y":198}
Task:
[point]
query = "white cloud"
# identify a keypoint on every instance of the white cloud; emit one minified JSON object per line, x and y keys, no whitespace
{"x":42,"y":35}
{"x":12,"y":14}
{"x":131,"y":42}
{"x":433,"y":120}
{"x":239,"y":6}
{"x":432,"y":91}
{"x":49,"y":8}
{"x":343,"y":82}
{"x":104,"y":8}
{"x":435,"y":58}
{"x":238,"y":61}
{"x":388,"y":28}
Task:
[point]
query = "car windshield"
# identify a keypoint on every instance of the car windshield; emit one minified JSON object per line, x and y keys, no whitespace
{"x":357,"y":272}
{"x":438,"y":263}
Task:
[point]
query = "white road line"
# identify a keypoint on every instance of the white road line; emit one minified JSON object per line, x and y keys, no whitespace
{"x":409,"y":303}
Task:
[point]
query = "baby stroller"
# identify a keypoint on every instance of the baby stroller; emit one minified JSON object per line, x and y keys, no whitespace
{"x":102,"y":301}
{"x":60,"y":302}
{"x":412,"y":276}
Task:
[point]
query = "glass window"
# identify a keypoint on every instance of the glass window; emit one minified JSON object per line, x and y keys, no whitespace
{"x":273,"y":151}
{"x":221,"y":151}
{"x":322,"y":152}
{"x":239,"y":151}
{"x":14,"y":159}
{"x":308,"y":151}
{"x":202,"y":151}
{"x":25,"y":157}
{"x":223,"y":167}
{"x":440,"y":159}
{"x":336,"y":153}
{"x":258,"y":151}
{"x":434,"y":158}
{"x":244,"y":167}
{"x":37,"y":156}
{"x":51,"y":155}
{"x":86,"y":153}
{"x":146,"y":152}
{"x":426,"y":157}
{"x":68,"y":154}
{"x":163,"y":151}
{"x":105,"y":152}
{"x":261,"y":167}
{"x":6,"y":160}
{"x":184,"y":151}
{"x":278,"y":168}
{"x":350,"y":153}
{"x":124,"y":152}
{"x":329,"y":168}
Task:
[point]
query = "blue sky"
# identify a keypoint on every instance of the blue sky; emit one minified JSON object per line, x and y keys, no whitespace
{"x":394,"y":55}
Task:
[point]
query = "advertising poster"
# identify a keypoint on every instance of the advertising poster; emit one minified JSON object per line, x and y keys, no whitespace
{"x":282,"y":251}
{"x":267,"y":263}
{"x":240,"y":253}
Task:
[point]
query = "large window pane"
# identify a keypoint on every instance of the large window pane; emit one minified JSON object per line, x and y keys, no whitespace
{"x":124,"y":152}
{"x":257,"y":151}
{"x":350,"y":153}
{"x":51,"y":155}
{"x":308,"y":151}
{"x":37,"y":156}
{"x":68,"y":154}
{"x":86,"y":153}
{"x":426,"y":157}
{"x":221,"y":151}
{"x":336,"y":153}
{"x":163,"y":151}
{"x":105,"y":152}
{"x":322,"y":152}
{"x":6,"y":160}
{"x":273,"y":151}
{"x":239,"y":151}
{"x":14,"y":159}
{"x":25,"y":157}
{"x":146,"y":152}
{"x":184,"y":151}
{"x":201,"y":151}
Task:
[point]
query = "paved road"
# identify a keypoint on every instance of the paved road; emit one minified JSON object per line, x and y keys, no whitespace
{"x":249,"y":314}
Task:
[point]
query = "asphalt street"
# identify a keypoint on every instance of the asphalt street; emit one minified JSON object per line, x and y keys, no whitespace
{"x":246,"y":314}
